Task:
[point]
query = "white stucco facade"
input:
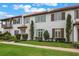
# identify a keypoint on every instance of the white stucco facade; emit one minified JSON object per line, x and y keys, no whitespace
{"x":47,"y":25}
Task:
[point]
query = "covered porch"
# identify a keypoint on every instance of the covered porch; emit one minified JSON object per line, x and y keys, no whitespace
{"x":22,"y":30}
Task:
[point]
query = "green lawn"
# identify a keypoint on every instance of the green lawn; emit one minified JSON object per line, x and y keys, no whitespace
{"x":13,"y":50}
{"x":56,"y":44}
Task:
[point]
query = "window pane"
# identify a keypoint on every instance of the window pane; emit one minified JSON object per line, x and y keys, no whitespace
{"x":40,"y":18}
{"x":26,"y":20}
{"x":58,"y":32}
{"x":16,"y":32}
{"x":52,"y":17}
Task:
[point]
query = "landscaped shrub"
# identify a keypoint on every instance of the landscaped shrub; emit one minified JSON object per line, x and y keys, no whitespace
{"x":6,"y":33}
{"x":68,"y":27}
{"x":1,"y":36}
{"x":25,"y":36}
{"x":6,"y":36}
{"x":32,"y":30}
{"x":76,"y":45}
{"x":18,"y":36}
{"x":13,"y":38}
{"x":60,"y":39}
{"x":46,"y":35}
{"x":39,"y":39}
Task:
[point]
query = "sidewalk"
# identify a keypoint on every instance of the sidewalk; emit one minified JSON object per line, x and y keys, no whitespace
{"x":45,"y":47}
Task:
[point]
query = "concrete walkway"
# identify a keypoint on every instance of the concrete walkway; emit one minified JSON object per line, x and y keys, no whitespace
{"x":45,"y":47}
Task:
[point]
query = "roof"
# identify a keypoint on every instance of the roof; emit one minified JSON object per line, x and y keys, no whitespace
{"x":76,"y":23}
{"x":46,"y":12}
{"x":10,"y":17}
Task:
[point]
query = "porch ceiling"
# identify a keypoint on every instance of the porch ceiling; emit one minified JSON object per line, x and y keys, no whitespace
{"x":76,"y":23}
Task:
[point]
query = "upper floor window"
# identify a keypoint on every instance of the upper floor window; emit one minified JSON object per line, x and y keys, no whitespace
{"x":63,"y":15}
{"x":58,"y":16}
{"x":52,"y":17}
{"x":40,"y":18}
{"x":26,"y":20}
{"x":17,"y":21}
{"x":77,"y":14}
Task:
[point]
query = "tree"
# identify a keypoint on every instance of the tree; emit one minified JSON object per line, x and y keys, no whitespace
{"x":46,"y":35}
{"x":68,"y":27}
{"x":32,"y":30}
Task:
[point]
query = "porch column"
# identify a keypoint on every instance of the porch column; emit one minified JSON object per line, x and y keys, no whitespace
{"x":22,"y":19}
{"x":75,"y":34}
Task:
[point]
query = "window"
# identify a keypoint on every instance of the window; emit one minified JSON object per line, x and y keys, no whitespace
{"x":14,"y":21}
{"x":77,"y":14}
{"x":58,"y":33}
{"x":26,"y":20}
{"x":58,"y":16}
{"x":63,"y":15}
{"x":40,"y":18}
{"x":39,"y":33}
{"x":52,"y":17}
{"x":8,"y":23}
{"x":17,"y":21}
{"x":16,"y":32}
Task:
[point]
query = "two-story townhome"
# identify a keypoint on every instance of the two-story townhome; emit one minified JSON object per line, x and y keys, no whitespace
{"x":54,"y":21}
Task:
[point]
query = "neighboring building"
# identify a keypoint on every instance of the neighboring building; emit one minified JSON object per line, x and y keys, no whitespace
{"x":54,"y":21}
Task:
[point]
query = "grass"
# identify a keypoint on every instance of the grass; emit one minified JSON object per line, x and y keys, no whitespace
{"x":13,"y":50}
{"x":56,"y":44}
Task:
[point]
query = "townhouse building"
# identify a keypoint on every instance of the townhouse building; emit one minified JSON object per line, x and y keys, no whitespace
{"x":53,"y":21}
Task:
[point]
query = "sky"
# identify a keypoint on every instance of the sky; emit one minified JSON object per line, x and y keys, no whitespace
{"x":15,"y":9}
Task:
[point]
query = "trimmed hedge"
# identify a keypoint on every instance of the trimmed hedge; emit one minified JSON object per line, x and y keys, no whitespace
{"x":59,"y":39}
{"x":24,"y":36}
{"x":76,"y":45}
{"x":39,"y":39}
{"x":1,"y":36}
{"x":18,"y":36}
{"x":6,"y":36}
{"x":46,"y":35}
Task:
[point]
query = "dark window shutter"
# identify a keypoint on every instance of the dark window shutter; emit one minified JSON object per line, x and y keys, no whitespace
{"x":52,"y":17}
{"x":76,"y":13}
{"x":62,"y":32}
{"x":53,"y":32}
{"x":63,"y":15}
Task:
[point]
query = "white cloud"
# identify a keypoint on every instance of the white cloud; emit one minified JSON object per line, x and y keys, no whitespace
{"x":9,"y":15}
{"x":28,"y":8}
{"x":37,"y":4}
{"x":51,"y":4}
{"x":16,"y":7}
{"x":4,"y":14}
{"x":4,"y":6}
{"x":47,"y":4}
{"x":31,"y":10}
